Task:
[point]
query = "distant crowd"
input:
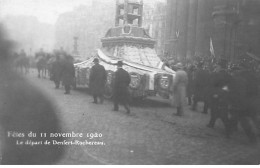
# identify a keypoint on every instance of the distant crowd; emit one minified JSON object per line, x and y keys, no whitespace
{"x":58,"y":66}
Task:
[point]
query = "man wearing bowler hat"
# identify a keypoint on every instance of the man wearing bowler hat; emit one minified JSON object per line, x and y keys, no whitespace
{"x":98,"y":78}
{"x":121,"y":93}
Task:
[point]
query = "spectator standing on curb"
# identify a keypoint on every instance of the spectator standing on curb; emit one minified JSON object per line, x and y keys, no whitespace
{"x":179,"y":88}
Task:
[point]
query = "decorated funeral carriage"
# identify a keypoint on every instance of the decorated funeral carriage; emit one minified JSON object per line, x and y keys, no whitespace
{"x":131,"y":44}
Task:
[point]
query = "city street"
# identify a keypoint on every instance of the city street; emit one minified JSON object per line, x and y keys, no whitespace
{"x":151,"y":134}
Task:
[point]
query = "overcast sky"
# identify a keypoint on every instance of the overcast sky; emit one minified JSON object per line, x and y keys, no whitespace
{"x":45,"y":10}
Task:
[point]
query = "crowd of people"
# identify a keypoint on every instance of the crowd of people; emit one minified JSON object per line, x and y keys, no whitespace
{"x":62,"y":71}
{"x":59,"y":67}
{"x":229,"y":91}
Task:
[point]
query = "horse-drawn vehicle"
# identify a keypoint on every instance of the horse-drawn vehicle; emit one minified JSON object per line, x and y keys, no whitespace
{"x":132,"y":45}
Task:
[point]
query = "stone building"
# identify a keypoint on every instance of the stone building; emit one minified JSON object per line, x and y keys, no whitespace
{"x":87,"y":24}
{"x":232,"y":25}
{"x":29,"y":33}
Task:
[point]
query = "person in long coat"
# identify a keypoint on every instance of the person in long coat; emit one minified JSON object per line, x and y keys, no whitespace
{"x":120,"y":91}
{"x":244,"y":101}
{"x":179,"y":89}
{"x":56,"y":71}
{"x":97,"y":79}
{"x":201,"y":84}
{"x":219,"y":102}
{"x":68,"y":73}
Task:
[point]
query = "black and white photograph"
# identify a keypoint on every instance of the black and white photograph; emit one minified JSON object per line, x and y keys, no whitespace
{"x":130,"y":82}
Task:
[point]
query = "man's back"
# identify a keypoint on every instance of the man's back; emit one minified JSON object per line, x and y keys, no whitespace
{"x":122,"y":78}
{"x":98,"y":74}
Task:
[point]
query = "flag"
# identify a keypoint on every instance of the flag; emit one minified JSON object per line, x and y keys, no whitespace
{"x":211,"y":48}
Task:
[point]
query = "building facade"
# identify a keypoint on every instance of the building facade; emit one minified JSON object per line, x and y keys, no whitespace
{"x":34,"y":34}
{"x":231,"y":25}
{"x":85,"y":24}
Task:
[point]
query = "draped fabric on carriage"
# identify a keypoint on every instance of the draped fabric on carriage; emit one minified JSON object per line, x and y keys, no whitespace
{"x":109,"y":62}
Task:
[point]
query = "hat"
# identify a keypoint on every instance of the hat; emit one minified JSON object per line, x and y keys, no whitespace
{"x":179,"y":66}
{"x":119,"y":63}
{"x":96,"y":60}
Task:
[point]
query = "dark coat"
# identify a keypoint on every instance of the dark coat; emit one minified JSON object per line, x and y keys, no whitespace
{"x":56,"y":70}
{"x":190,"y":86}
{"x":97,"y":79}
{"x":68,"y":72}
{"x":238,"y":95}
{"x":219,"y":80}
{"x":201,"y":83}
{"x":243,"y":92}
{"x":121,"y":84}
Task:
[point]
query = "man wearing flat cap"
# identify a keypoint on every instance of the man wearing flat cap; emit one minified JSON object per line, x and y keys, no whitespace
{"x":121,"y":93}
{"x":98,"y":78}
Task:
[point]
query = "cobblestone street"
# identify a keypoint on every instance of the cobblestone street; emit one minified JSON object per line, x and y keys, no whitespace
{"x":151,"y":134}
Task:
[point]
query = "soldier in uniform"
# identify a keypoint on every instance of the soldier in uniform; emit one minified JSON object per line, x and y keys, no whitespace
{"x":97,"y":79}
{"x":68,"y":73}
{"x":120,"y":91}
